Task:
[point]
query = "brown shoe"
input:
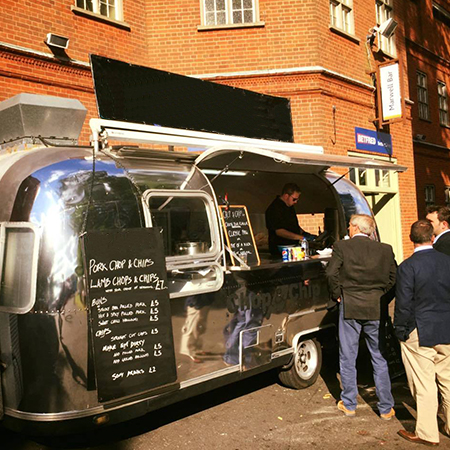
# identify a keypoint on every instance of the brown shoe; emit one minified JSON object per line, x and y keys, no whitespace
{"x":347,"y":412}
{"x":412,"y":437}
{"x":389,"y":415}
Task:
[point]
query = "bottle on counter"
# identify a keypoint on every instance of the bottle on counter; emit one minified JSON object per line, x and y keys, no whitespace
{"x":305,"y":247}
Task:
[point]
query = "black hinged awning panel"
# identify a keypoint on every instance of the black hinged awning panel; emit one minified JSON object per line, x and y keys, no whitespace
{"x":137,"y":94}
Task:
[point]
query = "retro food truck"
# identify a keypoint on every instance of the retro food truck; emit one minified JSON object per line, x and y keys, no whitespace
{"x":135,"y":276}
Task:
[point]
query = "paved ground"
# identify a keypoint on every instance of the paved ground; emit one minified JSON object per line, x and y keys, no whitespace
{"x":256,"y":414}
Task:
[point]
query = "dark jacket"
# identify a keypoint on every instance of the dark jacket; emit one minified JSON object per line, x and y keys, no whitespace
{"x":422,"y":298}
{"x":361,"y":271}
{"x":443,"y":244}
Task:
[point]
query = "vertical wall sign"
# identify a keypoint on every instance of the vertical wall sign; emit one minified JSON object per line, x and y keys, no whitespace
{"x":129,"y":312}
{"x":390,"y":98}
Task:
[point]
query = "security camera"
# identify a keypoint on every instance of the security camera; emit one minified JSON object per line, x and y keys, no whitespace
{"x":420,"y":137}
{"x":388,"y":28}
{"x":53,"y":40}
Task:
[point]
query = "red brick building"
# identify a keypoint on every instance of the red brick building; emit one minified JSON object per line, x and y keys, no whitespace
{"x":428,"y":53}
{"x":314,"y":52}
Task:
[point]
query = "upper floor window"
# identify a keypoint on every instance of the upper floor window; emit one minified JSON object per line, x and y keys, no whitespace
{"x":447,"y":195}
{"x":440,"y":13}
{"x":108,"y":8}
{"x":430,"y":194}
{"x":443,"y":103}
{"x":384,"y":11}
{"x":225,"y":12}
{"x":422,"y":96}
{"x":341,"y":15}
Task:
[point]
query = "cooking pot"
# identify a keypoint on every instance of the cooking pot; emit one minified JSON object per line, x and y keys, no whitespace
{"x":192,"y":248}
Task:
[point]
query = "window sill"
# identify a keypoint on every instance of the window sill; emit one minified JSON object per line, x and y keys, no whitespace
{"x":344,"y":34}
{"x":425,"y":120}
{"x":385,"y":53}
{"x":230,"y":25}
{"x":100,"y":18}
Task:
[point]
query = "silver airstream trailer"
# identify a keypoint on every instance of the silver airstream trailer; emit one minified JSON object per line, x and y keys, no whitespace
{"x":229,"y":318}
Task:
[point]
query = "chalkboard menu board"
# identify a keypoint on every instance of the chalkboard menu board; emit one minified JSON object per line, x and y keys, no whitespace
{"x":239,"y":234}
{"x":129,"y":312}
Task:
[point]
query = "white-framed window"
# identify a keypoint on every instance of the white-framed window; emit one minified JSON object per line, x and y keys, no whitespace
{"x":430,"y":194}
{"x":229,"y":12}
{"x":443,"y":103}
{"x":384,"y":11}
{"x":422,"y":96}
{"x":341,"y":15}
{"x":112,"y":9}
{"x":375,"y":179}
{"x":19,"y":251}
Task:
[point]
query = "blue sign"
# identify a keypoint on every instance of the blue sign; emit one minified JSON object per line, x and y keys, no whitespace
{"x":373,"y":141}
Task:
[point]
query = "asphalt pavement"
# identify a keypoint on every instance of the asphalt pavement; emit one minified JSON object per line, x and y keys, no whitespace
{"x":257,"y":413}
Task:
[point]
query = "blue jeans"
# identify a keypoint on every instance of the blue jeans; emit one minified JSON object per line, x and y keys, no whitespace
{"x":349,"y":332}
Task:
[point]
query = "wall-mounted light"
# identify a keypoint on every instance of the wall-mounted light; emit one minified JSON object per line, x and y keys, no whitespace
{"x":420,"y":137}
{"x":386,"y":29}
{"x":53,"y":40}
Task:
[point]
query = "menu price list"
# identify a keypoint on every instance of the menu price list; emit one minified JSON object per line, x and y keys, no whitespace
{"x":129,"y":309}
{"x":239,"y":233}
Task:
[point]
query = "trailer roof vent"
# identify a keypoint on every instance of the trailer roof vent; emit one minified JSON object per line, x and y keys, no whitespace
{"x":58,"y":120}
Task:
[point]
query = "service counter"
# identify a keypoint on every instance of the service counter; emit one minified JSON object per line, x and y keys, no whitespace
{"x":270,"y":262}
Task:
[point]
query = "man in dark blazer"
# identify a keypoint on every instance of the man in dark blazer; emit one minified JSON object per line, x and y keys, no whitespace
{"x":360,"y":272}
{"x":439,"y":216}
{"x":422,"y":324}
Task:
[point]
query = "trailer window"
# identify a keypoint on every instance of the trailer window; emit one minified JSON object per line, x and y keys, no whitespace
{"x":185,"y":223}
{"x":191,"y":239}
{"x":19,"y":244}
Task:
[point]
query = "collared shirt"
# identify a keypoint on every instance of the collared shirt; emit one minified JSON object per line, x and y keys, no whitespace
{"x":423,"y":247}
{"x":438,"y":236}
{"x":360,"y":234}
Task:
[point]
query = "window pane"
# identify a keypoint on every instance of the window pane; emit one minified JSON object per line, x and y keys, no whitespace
{"x":377,"y":178}
{"x":362,"y":177}
{"x":220,"y":5}
{"x":16,"y":276}
{"x":353,"y":175}
{"x":386,"y":178}
{"x":248,"y":16}
{"x":184,"y":222}
{"x":237,"y":17}
{"x":103,"y":9}
{"x":210,"y":18}
{"x":237,"y":4}
{"x":221,"y":18}
{"x":209,"y":5}
{"x":248,"y":4}
{"x":85,"y":4}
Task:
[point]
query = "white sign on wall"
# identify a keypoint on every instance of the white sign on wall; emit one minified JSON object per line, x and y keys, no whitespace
{"x":391,"y":97}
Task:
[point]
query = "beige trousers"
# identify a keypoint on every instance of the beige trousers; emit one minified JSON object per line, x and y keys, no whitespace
{"x":428,"y":369}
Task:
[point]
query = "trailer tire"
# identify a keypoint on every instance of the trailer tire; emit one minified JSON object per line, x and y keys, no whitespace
{"x":306,"y":365}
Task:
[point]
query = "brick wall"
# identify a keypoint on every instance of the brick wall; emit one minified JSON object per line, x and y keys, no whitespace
{"x":428,"y":50}
{"x":294,"y":39}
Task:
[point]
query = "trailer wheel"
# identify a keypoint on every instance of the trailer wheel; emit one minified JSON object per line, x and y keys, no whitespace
{"x":306,"y":366}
